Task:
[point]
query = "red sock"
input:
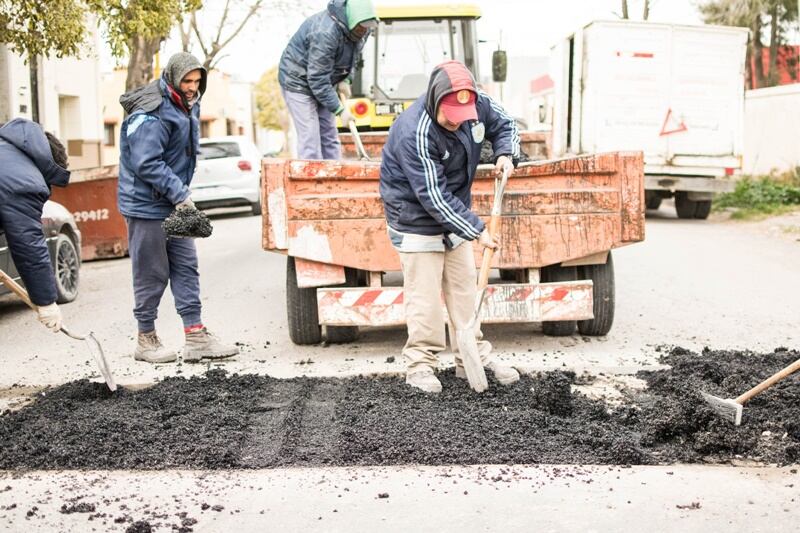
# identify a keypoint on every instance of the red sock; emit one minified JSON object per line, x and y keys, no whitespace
{"x":192,"y":329}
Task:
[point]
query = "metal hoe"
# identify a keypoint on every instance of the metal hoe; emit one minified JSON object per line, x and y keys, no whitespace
{"x":94,"y":346}
{"x":731,"y":408}
{"x":467,"y":345}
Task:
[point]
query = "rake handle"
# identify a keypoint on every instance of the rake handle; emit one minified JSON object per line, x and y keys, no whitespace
{"x":770,"y":381}
{"x":17,"y":289}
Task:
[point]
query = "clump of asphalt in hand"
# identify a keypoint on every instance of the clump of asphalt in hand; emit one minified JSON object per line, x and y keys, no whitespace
{"x":222,"y":421}
{"x":187,"y":222}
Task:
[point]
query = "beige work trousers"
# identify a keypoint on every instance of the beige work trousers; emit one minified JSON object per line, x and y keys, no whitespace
{"x":426,"y":275}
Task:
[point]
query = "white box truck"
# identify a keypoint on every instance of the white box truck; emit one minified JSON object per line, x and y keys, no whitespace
{"x":674,"y":92}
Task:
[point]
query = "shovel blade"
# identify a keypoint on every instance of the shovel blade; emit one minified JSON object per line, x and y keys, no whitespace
{"x":100,"y":359}
{"x":468,"y":348}
{"x":727,"y":408}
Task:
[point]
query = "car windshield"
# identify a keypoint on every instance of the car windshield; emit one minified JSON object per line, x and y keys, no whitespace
{"x":406,"y":53}
{"x":219,"y":150}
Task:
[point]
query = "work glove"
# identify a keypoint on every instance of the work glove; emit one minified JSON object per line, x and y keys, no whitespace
{"x":487,"y":241}
{"x":345,"y":115}
{"x":50,"y":316}
{"x":186,"y":204}
{"x":344,"y":90}
{"x":504,"y":162}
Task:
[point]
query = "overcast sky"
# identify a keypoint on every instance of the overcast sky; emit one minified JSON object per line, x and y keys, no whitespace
{"x":529,"y":27}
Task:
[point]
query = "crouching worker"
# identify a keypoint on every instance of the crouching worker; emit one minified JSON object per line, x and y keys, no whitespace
{"x":32,"y":162}
{"x":429,"y":163}
{"x":159,"y":140}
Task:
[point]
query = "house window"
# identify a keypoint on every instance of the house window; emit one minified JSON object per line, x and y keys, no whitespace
{"x":109,"y":138}
{"x":205,"y":128}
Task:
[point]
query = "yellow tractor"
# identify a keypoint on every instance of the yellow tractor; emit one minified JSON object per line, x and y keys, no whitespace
{"x":398,"y":58}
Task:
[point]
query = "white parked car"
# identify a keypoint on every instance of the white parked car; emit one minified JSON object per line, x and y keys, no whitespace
{"x":228,"y":174}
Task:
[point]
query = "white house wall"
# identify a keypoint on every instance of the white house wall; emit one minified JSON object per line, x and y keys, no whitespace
{"x":772,"y":129}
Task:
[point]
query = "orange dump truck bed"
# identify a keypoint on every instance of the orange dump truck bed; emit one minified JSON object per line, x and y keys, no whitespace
{"x":560,"y":220}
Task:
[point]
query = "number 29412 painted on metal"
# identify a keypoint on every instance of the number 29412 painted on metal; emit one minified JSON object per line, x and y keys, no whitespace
{"x":91,"y":215}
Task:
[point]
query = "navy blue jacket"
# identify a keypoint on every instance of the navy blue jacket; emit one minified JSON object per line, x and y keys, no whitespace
{"x":158,"y":154}
{"x":27,"y":171}
{"x":320,"y":55}
{"x":427,"y":171}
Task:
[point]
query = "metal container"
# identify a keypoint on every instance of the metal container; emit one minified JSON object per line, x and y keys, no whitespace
{"x":91,"y":197}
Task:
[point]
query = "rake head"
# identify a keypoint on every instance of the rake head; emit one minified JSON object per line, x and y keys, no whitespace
{"x":726,"y":408}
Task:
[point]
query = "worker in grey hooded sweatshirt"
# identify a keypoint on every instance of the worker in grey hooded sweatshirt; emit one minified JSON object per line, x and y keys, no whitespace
{"x":159,"y":140}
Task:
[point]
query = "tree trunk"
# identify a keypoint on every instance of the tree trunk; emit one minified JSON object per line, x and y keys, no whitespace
{"x":625,"y":9}
{"x":646,"y":10}
{"x":758,"y":54}
{"x":140,"y":64}
{"x":33,"y":70}
{"x":773,"y":76}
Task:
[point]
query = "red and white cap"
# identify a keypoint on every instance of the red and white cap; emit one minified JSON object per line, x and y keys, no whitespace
{"x":459,"y":106}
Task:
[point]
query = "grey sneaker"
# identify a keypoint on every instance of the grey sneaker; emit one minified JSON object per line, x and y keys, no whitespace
{"x":424,"y":381}
{"x":201,"y":344}
{"x":506,"y":375}
{"x":150,"y":349}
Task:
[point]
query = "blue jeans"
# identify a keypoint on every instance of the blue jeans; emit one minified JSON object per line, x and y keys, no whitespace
{"x":158,"y":260}
{"x":317,"y":137}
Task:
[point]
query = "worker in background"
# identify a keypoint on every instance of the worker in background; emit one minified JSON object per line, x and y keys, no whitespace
{"x":316,"y":67}
{"x":33,"y":161}
{"x":159,"y":140}
{"x":429,"y":163}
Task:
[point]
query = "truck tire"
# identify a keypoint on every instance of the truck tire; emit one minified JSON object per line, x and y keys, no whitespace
{"x":555,"y":273}
{"x":301,"y":309}
{"x":703,"y":209}
{"x":652,"y":200}
{"x":344,"y":334}
{"x":684,"y":207}
{"x":602,"y":277}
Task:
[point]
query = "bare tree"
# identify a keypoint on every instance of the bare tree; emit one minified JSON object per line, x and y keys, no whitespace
{"x":625,"y":9}
{"x":646,"y":10}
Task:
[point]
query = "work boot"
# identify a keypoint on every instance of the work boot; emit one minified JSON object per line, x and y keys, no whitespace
{"x":150,"y":349}
{"x":425,"y":381}
{"x":506,"y":375}
{"x":201,"y":344}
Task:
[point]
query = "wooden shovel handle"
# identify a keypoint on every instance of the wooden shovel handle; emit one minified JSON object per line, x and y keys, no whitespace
{"x":770,"y":381}
{"x":488,"y":254}
{"x":17,"y":289}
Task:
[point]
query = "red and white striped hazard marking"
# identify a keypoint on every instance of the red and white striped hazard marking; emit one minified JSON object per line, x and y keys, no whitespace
{"x":370,"y":306}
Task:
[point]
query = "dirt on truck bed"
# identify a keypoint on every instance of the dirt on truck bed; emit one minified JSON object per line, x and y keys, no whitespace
{"x":222,"y":421}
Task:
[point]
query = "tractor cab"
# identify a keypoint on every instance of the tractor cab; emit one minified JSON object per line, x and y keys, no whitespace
{"x":399,"y":57}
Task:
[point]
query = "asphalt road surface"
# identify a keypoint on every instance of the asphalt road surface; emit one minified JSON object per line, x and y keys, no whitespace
{"x":691,"y":283}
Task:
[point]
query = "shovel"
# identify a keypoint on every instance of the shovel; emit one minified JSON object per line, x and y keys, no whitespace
{"x":731,"y":408}
{"x":467,"y":345}
{"x":94,"y":346}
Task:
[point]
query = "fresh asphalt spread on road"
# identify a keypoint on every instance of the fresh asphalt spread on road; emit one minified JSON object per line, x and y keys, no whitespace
{"x":222,"y":421}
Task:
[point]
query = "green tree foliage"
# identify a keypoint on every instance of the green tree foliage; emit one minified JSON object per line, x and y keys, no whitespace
{"x":43,"y":27}
{"x":136,"y":29}
{"x":770,"y":21}
{"x":271,"y":112}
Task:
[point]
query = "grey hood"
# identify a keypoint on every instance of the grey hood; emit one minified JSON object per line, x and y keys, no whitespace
{"x":148,"y":97}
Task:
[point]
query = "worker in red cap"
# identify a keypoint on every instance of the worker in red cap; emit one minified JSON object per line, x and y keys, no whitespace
{"x":429,"y":163}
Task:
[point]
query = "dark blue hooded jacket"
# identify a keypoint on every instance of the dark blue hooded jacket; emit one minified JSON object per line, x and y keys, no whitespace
{"x":27,"y":171}
{"x":158,"y":144}
{"x":427,"y":171}
{"x":320,"y":55}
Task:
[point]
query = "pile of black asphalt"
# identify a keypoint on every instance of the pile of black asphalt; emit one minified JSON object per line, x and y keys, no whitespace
{"x":187,"y":222}
{"x":223,"y":421}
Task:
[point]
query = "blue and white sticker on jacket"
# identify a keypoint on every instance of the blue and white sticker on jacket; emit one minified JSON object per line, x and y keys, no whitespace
{"x":478,"y":132}
{"x":137,"y":120}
